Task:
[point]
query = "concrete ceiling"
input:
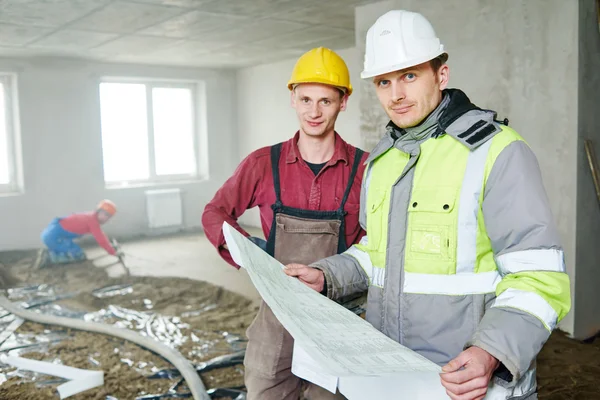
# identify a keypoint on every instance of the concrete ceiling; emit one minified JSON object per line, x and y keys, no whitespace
{"x":200,"y":33}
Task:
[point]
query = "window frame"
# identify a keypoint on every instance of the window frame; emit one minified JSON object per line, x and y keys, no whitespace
{"x":9,"y":81}
{"x":196,"y":88}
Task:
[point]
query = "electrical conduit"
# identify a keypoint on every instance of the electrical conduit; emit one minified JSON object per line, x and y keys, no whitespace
{"x":188,"y":372}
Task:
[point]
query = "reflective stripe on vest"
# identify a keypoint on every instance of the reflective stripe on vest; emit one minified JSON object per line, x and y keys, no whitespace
{"x":519,"y":261}
{"x":466,"y":244}
{"x":542,"y":260}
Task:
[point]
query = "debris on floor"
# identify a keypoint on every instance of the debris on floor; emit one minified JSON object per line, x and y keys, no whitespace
{"x":200,"y":320}
{"x":205,"y":323}
{"x":568,"y":369}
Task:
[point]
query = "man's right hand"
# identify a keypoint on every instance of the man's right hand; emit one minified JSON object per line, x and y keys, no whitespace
{"x":311,"y":277}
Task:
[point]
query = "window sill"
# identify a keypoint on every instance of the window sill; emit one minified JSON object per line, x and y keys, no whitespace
{"x":13,"y":193}
{"x":154,"y":184}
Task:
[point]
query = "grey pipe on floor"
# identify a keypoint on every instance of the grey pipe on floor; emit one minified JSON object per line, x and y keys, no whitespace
{"x":187,"y":370}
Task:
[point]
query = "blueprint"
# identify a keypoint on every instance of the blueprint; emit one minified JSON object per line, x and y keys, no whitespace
{"x":334,"y":346}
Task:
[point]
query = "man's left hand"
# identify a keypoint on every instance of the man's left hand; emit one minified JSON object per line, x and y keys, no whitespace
{"x":468,"y":375}
{"x":311,"y":277}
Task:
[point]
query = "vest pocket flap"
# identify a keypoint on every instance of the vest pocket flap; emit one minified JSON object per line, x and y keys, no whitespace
{"x":375,"y":199}
{"x":291,"y":224}
{"x":439,"y":200}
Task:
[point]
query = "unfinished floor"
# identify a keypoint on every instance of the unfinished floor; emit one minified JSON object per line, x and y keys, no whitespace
{"x":167,"y":273}
{"x":189,"y":256}
{"x":179,"y":292}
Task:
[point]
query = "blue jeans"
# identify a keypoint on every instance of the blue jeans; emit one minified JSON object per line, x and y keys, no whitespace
{"x":60,"y":241}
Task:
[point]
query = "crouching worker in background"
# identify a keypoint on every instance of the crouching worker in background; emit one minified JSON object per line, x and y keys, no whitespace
{"x":60,"y":234}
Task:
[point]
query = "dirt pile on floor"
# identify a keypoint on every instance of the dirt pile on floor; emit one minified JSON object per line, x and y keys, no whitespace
{"x":92,"y":351}
{"x":569,"y":369}
{"x":200,"y":320}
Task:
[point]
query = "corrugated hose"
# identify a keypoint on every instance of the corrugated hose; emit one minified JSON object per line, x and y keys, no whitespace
{"x":185,"y":367}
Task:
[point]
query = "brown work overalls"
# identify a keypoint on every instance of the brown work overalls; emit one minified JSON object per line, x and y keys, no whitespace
{"x":297,"y":236}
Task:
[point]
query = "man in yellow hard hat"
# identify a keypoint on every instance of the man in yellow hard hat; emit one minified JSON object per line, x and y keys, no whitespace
{"x":308,"y":192}
{"x":462,"y":260}
{"x":60,"y":233}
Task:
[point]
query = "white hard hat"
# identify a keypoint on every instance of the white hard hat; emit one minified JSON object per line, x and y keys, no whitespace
{"x":399,"y":39}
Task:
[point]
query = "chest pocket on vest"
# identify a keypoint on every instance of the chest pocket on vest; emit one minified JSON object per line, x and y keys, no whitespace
{"x":375,"y":218}
{"x":432,"y":228}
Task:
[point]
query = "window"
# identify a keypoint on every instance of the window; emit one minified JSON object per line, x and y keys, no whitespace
{"x":8,"y":136}
{"x":148,"y":131}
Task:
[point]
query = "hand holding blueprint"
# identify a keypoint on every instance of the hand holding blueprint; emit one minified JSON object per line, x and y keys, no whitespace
{"x":333,"y":346}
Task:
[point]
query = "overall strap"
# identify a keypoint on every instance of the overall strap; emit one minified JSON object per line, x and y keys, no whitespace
{"x":355,"y":165}
{"x":275,"y":154}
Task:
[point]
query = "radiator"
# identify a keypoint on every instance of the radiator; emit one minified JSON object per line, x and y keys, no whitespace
{"x":163,"y":208}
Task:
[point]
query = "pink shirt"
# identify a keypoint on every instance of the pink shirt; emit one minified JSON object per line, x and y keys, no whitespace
{"x":84,"y":223}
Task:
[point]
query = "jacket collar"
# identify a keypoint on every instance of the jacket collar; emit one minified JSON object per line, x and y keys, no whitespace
{"x":340,"y":152}
{"x":463,"y":120}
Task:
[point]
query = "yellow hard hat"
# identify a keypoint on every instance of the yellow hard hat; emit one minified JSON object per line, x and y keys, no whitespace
{"x":108,"y":206}
{"x":321,"y":65}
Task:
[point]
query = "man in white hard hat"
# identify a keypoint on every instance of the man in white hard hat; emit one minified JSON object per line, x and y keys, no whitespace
{"x":462,"y":259}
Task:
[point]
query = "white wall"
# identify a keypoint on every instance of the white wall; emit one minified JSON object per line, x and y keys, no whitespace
{"x":62,"y":148}
{"x":265,"y":116}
